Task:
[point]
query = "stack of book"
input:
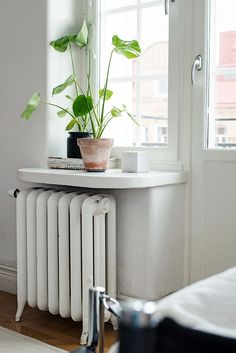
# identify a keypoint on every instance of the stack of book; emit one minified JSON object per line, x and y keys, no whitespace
{"x":74,"y":163}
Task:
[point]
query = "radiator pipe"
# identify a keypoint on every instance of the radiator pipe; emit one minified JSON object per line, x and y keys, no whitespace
{"x":13,"y":192}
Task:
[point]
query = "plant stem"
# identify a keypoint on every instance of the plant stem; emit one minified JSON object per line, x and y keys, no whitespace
{"x":85,"y":124}
{"x":104,"y":127}
{"x":89,"y":92}
{"x":79,"y":125}
{"x":65,"y":110}
{"x":106,"y":83}
{"x":93,"y":107}
{"x":58,"y":106}
{"x":73,"y":69}
{"x":89,"y":68}
{"x":92,"y":126}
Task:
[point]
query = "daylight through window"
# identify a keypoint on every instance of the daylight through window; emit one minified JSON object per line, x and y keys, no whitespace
{"x":142,"y":84}
{"x":222,"y":89}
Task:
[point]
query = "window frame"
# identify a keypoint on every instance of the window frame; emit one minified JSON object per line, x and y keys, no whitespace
{"x":176,"y":46}
{"x":183,"y":14}
{"x":201,"y":93}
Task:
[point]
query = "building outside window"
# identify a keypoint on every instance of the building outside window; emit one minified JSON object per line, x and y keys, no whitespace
{"x":150,"y":86}
{"x":222,"y":90}
{"x":141,"y":84}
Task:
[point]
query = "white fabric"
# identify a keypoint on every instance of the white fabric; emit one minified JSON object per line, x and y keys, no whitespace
{"x":208,"y":305}
{"x":13,"y":342}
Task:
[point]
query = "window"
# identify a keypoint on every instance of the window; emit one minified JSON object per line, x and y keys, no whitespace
{"x":161,"y":134}
{"x":150,"y":86}
{"x":142,"y":84}
{"x":157,"y":87}
{"x":222,"y":68}
{"x":145,"y":134}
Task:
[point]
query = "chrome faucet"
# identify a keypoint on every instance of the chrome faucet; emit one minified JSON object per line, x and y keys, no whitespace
{"x":98,"y":302}
{"x":137,"y":324}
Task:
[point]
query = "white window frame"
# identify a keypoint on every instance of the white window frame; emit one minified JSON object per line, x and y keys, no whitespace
{"x":175,"y":80}
{"x":200,"y":155}
{"x":200,"y":95}
{"x":193,"y":15}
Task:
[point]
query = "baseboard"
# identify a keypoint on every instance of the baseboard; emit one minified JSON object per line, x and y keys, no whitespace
{"x":8,"y":279}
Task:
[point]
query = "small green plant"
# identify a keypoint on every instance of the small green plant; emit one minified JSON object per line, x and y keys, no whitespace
{"x":86,"y":113}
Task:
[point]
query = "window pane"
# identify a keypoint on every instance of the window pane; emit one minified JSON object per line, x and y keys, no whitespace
{"x":222,"y":88}
{"x":123,"y":24}
{"x":122,"y":128}
{"x":113,"y":4}
{"x":140,"y":84}
{"x":152,"y":15}
{"x":160,"y":2}
{"x":153,"y":112}
{"x":154,"y":59}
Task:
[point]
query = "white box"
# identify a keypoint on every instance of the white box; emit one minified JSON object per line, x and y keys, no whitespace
{"x":135,"y":162}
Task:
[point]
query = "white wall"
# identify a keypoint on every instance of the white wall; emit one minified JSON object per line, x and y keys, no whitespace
{"x":219,"y":245}
{"x":22,"y":70}
{"x":25,"y":63}
{"x":63,"y":17}
{"x":214,"y":222}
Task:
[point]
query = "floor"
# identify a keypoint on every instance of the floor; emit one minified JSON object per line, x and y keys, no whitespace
{"x":62,"y":333}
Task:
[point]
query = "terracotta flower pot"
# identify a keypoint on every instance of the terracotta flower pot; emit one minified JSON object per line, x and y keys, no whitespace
{"x":95,"y":153}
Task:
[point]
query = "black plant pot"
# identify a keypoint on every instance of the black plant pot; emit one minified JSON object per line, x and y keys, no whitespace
{"x":73,"y":150}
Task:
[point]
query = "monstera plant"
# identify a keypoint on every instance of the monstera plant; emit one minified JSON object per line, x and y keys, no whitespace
{"x":77,"y":118}
{"x":86,"y":112}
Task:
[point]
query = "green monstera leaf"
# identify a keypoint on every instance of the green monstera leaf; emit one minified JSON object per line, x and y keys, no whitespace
{"x":61,"y":44}
{"x":71,"y":125}
{"x":64,"y":85}
{"x":115,"y":111}
{"x":69,"y":97}
{"x":108,"y":94}
{"x":82,"y":105}
{"x":82,"y":37}
{"x":62,"y":113}
{"x":129,"y":49}
{"x":31,"y":106}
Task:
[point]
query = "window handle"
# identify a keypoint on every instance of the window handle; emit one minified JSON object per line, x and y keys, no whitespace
{"x":196,"y":66}
{"x":166,"y":6}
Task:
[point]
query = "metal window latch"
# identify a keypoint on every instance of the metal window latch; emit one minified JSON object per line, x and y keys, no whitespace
{"x":166,"y":6}
{"x":196,"y":66}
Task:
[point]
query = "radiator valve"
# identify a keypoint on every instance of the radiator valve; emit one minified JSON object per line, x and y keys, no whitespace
{"x":13,"y":192}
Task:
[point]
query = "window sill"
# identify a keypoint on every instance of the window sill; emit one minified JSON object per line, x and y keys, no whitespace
{"x":111,"y":179}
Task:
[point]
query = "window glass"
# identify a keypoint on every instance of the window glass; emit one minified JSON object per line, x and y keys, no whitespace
{"x":114,"y":4}
{"x":222,"y":68}
{"x":121,"y":128}
{"x":119,"y":23}
{"x":140,"y":84}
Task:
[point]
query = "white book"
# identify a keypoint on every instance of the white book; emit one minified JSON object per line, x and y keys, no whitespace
{"x":74,"y":163}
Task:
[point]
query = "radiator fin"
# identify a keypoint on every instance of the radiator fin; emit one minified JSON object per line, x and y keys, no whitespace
{"x":66,"y":243}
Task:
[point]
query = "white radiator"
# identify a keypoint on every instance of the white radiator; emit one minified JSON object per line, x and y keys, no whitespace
{"x":66,"y":243}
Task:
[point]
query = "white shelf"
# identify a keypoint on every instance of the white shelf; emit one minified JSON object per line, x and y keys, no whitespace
{"x":111,"y":179}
